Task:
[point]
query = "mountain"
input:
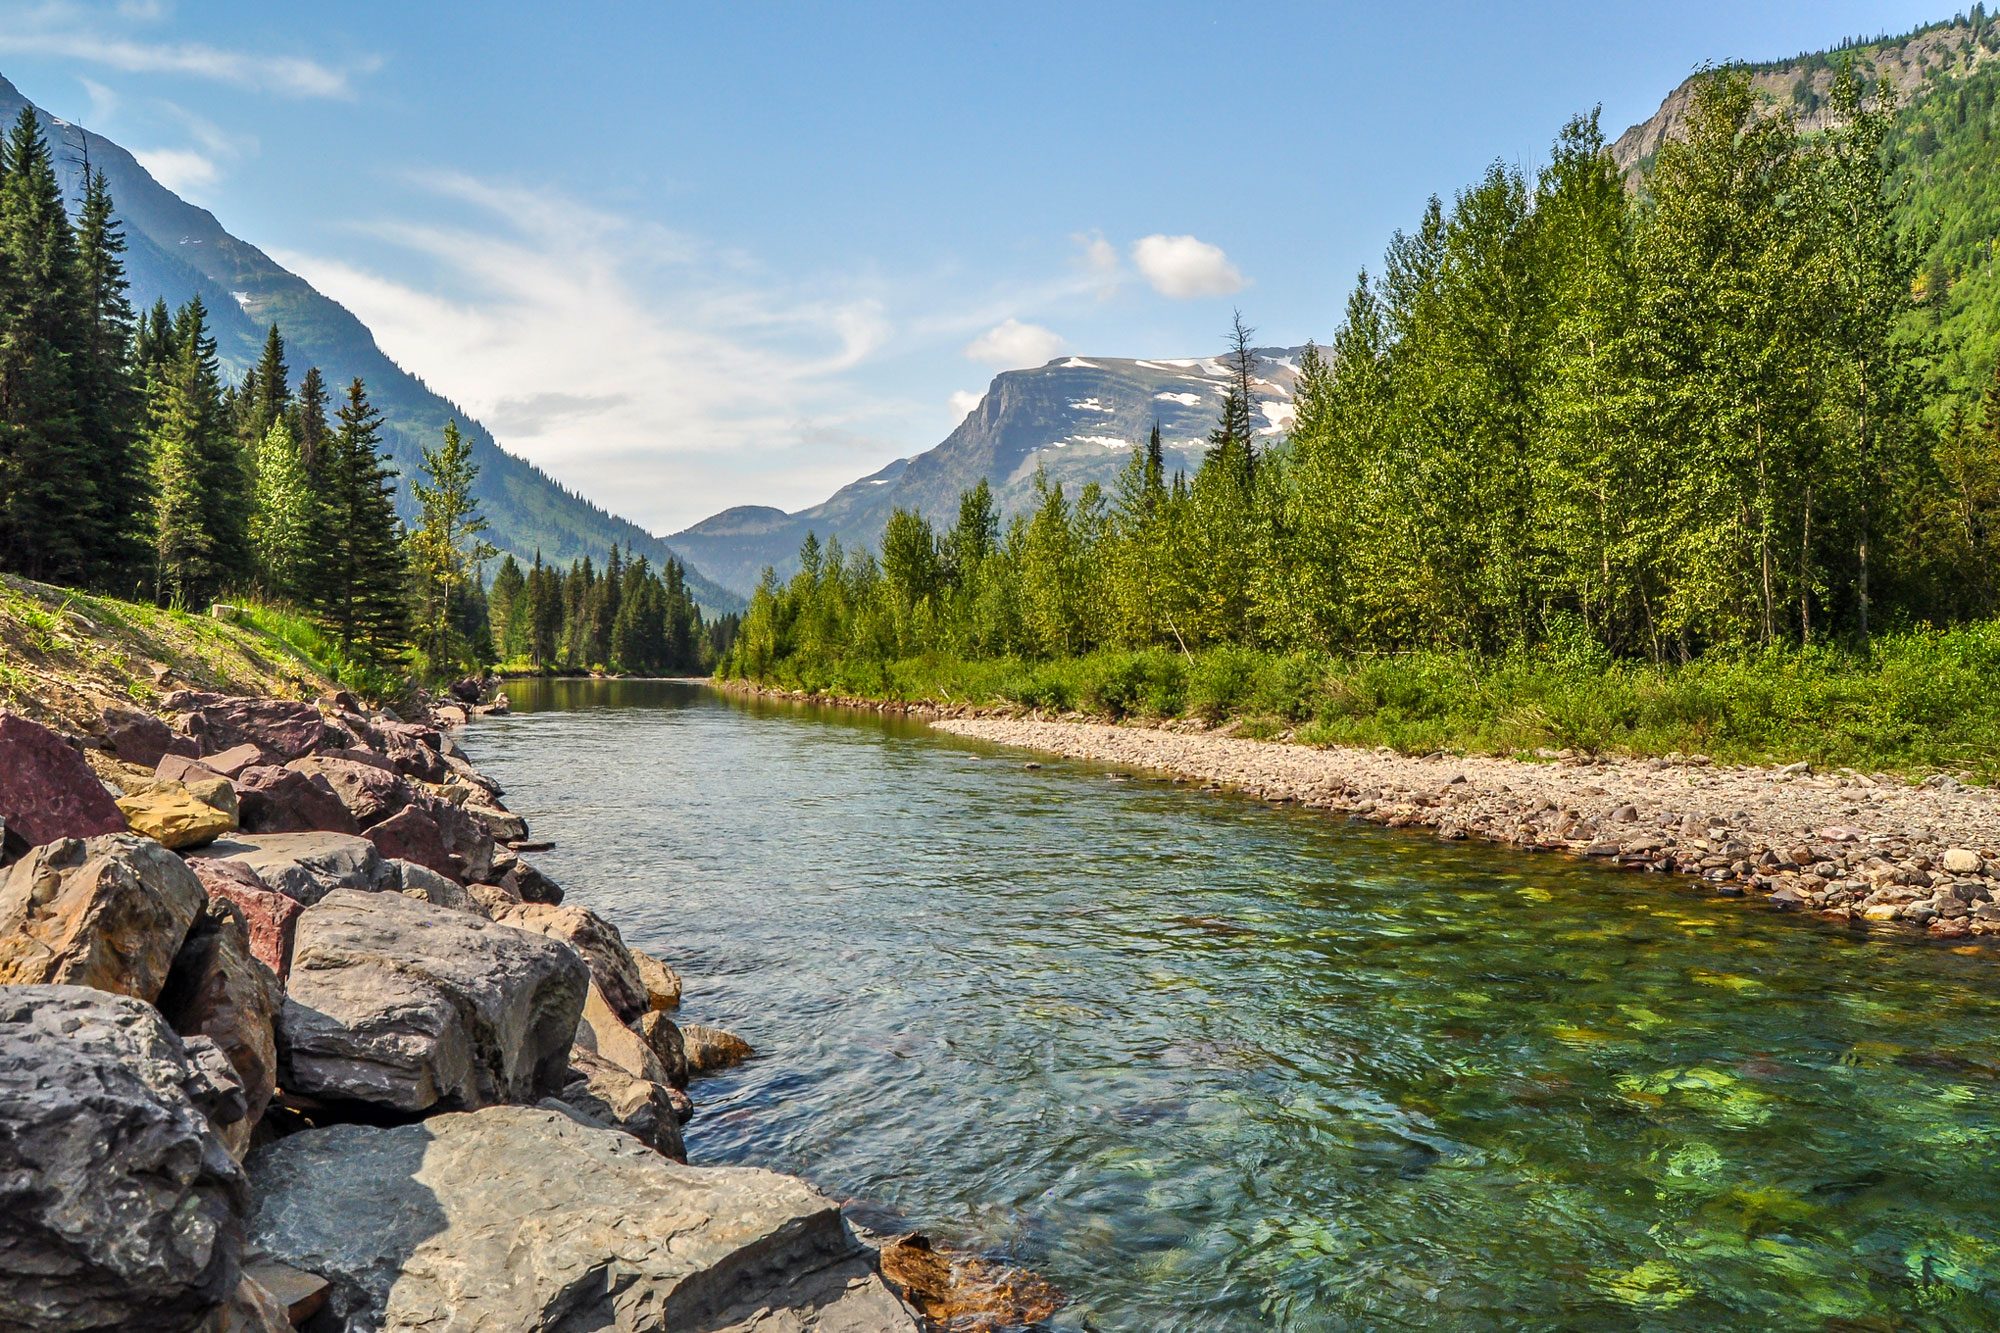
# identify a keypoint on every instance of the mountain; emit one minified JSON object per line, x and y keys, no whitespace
{"x":177,"y":250}
{"x":1946,"y":156}
{"x":1078,"y":418}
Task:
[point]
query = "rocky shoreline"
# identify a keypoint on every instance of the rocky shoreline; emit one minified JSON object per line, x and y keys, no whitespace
{"x":1850,"y":846}
{"x":292,"y":1034}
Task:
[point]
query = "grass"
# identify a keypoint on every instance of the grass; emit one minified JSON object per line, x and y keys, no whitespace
{"x":1916,"y":702}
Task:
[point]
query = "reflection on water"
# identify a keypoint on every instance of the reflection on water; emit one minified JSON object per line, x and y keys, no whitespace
{"x":1211,"y":1065}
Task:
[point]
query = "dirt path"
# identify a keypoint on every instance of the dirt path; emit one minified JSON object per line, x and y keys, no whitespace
{"x":1846,"y":844}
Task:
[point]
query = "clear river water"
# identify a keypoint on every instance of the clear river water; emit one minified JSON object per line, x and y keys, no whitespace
{"x":1207,"y":1064}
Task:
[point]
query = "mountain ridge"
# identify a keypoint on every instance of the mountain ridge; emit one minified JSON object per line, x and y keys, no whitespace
{"x":176,"y":249}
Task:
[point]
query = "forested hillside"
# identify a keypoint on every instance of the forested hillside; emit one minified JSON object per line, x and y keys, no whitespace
{"x":177,"y":251}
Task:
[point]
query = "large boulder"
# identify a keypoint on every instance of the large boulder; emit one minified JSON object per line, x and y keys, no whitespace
{"x":276,"y":726}
{"x":423,"y":883}
{"x":140,"y":738}
{"x":47,"y":790}
{"x":663,"y":984}
{"x":403,"y":1005}
{"x":268,"y":918}
{"x":109,"y":913}
{"x":173,"y":816}
{"x":501,"y":825}
{"x":218,"y":989}
{"x":412,"y":835}
{"x":647,"y":1111}
{"x":283,"y":800}
{"x":529,"y":884}
{"x":120,"y":1203}
{"x":612,"y":966}
{"x":602,"y":1032}
{"x":306,"y":866}
{"x":711,"y":1049}
{"x":370,"y":792}
{"x":412,"y":750}
{"x":663,"y":1038}
{"x":523,"y":1218}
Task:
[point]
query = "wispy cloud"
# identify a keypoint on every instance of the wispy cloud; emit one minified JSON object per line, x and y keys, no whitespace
{"x":185,"y":171}
{"x":87,"y":33}
{"x":654,"y":372}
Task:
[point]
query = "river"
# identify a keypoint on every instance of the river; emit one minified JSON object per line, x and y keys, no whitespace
{"x":1207,"y":1064}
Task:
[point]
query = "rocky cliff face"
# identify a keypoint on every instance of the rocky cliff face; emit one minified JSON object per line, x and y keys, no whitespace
{"x":1801,"y":86}
{"x":1077,"y":418}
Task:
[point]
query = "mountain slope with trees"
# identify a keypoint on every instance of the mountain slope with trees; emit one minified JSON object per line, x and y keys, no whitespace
{"x":176,"y":251}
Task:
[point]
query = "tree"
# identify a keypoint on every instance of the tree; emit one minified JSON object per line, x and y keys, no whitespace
{"x":309,"y":423}
{"x":270,"y":387}
{"x":446,"y":547}
{"x":110,"y":407}
{"x":283,"y":517}
{"x":355,"y":583}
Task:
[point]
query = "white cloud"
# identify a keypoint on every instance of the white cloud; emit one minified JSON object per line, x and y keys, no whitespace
{"x":964,"y":402}
{"x":103,"y":101}
{"x":179,"y":169}
{"x":661,"y":377}
{"x":1182,"y":267}
{"x":71,"y":31}
{"x":1012,"y":345}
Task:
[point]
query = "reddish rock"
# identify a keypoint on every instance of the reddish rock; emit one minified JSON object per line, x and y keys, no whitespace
{"x":466,"y":839}
{"x":179,"y":768}
{"x":415,"y":751}
{"x":283,"y":800}
{"x":268,"y":917}
{"x":140,"y":738}
{"x":360,"y":756}
{"x":47,"y":790}
{"x":286,"y":729}
{"x":412,"y":835}
{"x":233,"y":761}
{"x":370,"y":793}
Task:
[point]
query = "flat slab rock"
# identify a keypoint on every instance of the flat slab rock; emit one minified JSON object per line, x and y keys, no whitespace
{"x":517,"y":1218}
{"x":306,"y":866}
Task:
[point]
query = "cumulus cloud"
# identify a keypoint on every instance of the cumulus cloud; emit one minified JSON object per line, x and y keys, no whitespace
{"x":185,"y":171}
{"x":1012,"y":345}
{"x":77,"y":32}
{"x":964,"y":402}
{"x":1183,"y":267}
{"x":660,"y":376}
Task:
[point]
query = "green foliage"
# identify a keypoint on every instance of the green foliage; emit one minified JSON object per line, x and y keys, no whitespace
{"x":445,"y":552}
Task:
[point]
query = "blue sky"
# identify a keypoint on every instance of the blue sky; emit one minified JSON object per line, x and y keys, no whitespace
{"x":688,"y":257}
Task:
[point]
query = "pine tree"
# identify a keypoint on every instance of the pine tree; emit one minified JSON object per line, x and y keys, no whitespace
{"x":271,"y":387}
{"x":446,"y":547}
{"x":309,"y":422}
{"x":282,"y":523}
{"x":185,"y":572}
{"x":356,"y":580}
{"x":225,"y":480}
{"x":109,"y":401}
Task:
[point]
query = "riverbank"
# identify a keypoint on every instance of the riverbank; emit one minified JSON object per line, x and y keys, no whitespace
{"x":1849,"y":845}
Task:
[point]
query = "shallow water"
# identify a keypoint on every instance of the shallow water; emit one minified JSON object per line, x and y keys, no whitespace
{"x":1211,"y":1065}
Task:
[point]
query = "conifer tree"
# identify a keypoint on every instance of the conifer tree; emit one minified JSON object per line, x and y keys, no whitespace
{"x":356,"y":580}
{"x":282,"y":524}
{"x":108,"y":399}
{"x":446,"y":547}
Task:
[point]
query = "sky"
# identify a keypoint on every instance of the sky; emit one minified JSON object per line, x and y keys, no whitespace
{"x":687,"y":257}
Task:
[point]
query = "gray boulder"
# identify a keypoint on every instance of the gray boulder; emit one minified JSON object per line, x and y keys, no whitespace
{"x":649,"y":1112}
{"x":404,"y":1005}
{"x":108,"y":913}
{"x":119,"y":1206}
{"x":306,"y":866}
{"x":218,"y":989}
{"x":612,"y":966}
{"x":523,"y":1218}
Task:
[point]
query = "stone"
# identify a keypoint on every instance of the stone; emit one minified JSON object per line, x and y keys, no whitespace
{"x":218,"y":989}
{"x":468,"y":690}
{"x":403,"y":1005}
{"x":502,"y":825}
{"x":530,"y":885}
{"x":300,"y":1294}
{"x":230,"y":763}
{"x":47,"y":790}
{"x":412,"y":750}
{"x":426,"y":885}
{"x":662,"y":983}
{"x":954,"y":1289}
{"x":370,"y":792}
{"x":491,"y":898}
{"x":524,"y":1218}
{"x":467,"y":841}
{"x":109,"y":913}
{"x":173,"y":816}
{"x":283,"y":800}
{"x":602,"y":1032}
{"x":663,"y":1038}
{"x":614,"y":1097}
{"x":121,"y":1204}
{"x":1961,"y":861}
{"x":269,"y":918}
{"x":179,"y":768}
{"x":253,"y":1309}
{"x":279,"y":727}
{"x":306,"y":866}
{"x":412,"y":835}
{"x":140,"y":738}
{"x":612,"y":966}
{"x":709,"y":1049}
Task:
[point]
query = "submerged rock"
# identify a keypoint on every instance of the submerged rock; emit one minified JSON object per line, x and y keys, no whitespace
{"x":709,"y":1049}
{"x":407,"y":1006}
{"x":662,"y":983}
{"x":522,"y":1218}
{"x":120,"y":1204}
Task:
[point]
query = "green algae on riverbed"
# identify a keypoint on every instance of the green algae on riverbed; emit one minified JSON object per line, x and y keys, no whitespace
{"x":1209,"y":1065}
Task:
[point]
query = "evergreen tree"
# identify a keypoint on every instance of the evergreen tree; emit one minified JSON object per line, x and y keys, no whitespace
{"x":110,"y":407}
{"x":283,"y":518}
{"x":446,"y":547}
{"x":355,"y":584}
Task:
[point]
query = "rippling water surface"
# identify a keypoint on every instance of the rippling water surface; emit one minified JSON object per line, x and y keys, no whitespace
{"x":1209,"y":1065}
